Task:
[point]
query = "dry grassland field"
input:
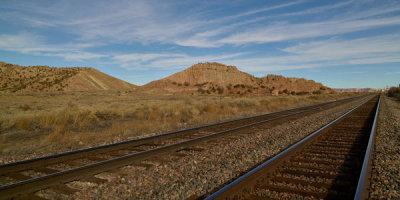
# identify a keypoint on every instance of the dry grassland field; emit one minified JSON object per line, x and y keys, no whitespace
{"x":37,"y":124}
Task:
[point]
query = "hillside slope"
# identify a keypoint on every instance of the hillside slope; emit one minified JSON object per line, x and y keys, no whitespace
{"x":216,"y":78}
{"x":15,"y":78}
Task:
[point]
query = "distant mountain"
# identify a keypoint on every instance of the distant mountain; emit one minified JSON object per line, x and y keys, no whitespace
{"x":357,"y":90}
{"x":15,"y":78}
{"x":216,"y":78}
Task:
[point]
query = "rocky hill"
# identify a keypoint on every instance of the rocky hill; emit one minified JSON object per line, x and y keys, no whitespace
{"x":216,"y":78}
{"x":15,"y":78}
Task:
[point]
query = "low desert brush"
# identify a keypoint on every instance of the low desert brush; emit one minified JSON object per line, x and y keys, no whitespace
{"x":88,"y":121}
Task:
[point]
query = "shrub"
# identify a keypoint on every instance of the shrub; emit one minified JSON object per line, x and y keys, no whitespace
{"x":286,"y":91}
{"x":200,"y":84}
{"x":394,"y":92}
{"x":24,"y":107}
{"x":213,"y":90}
{"x":186,"y":84}
{"x":317,"y":92}
{"x":302,"y":93}
{"x":220,"y":90}
{"x":202,"y":91}
{"x":23,"y":123}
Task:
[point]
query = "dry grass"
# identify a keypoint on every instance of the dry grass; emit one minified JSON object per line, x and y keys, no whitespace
{"x":55,"y":122}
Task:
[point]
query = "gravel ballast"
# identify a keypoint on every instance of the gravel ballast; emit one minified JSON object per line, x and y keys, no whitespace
{"x":200,"y":172}
{"x":385,"y":182}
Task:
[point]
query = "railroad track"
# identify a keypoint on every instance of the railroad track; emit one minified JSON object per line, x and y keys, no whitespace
{"x":24,"y":178}
{"x":331,"y":163}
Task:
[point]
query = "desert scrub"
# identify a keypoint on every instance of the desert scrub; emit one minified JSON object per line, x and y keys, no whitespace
{"x":73,"y":120}
{"x":394,"y":92}
{"x":71,"y":116}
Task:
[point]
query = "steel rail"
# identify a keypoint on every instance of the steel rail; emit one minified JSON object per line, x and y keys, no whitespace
{"x":57,"y":158}
{"x":279,"y":155}
{"x":35,"y":184}
{"x":361,"y":191}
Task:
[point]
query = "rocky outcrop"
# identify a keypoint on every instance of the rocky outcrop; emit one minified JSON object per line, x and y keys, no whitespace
{"x":292,"y":85}
{"x":216,"y":78}
{"x":216,"y":73}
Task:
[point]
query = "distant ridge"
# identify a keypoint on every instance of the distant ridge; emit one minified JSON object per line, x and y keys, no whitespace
{"x":217,"y":78}
{"x":15,"y":78}
{"x":357,"y":90}
{"x":202,"y":78}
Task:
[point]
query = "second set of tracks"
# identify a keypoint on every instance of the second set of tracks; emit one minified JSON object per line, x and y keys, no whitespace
{"x":84,"y":164}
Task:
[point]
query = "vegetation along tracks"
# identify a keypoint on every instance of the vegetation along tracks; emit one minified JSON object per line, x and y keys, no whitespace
{"x":331,"y":163}
{"x":108,"y":157}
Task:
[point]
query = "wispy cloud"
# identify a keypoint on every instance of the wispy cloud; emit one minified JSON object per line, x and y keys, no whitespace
{"x":331,"y":52}
{"x":356,"y":72}
{"x":318,"y":9}
{"x":281,"y":30}
{"x":260,"y":10}
{"x":286,"y":31}
{"x":315,"y":54}
{"x":28,"y":43}
{"x":148,"y":22}
{"x":167,"y":61}
{"x":77,"y":55}
{"x":392,"y":73}
{"x":145,"y":57}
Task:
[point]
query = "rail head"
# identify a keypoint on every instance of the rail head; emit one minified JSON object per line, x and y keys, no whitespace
{"x":361,"y":191}
{"x":279,"y":155}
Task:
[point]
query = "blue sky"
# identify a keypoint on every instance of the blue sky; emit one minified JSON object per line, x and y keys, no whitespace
{"x":343,"y":44}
